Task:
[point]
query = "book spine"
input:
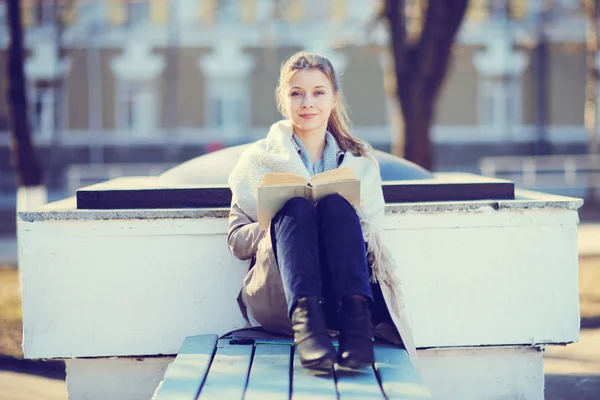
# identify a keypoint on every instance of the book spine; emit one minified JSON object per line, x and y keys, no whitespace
{"x":308,"y":193}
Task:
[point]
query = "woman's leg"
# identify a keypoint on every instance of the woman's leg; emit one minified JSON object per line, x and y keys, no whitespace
{"x":343,"y":256}
{"x":294,"y":233}
{"x":343,"y":249}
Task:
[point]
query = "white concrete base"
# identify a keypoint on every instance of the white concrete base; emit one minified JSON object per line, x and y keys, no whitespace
{"x":478,"y":373}
{"x":143,"y":284}
{"x":484,"y":373}
{"x":124,"y":378}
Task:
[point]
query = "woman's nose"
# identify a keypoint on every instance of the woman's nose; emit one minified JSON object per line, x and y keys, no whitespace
{"x":306,"y":102}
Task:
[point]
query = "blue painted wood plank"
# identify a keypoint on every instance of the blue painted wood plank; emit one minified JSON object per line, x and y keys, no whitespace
{"x":311,"y":385}
{"x":228,"y":372}
{"x":359,"y":384}
{"x":270,"y":373}
{"x":284,"y":341}
{"x":185,"y":375}
{"x":399,"y":377}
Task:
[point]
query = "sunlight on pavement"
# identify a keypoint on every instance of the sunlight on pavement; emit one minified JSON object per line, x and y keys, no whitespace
{"x":577,"y":358}
{"x":17,"y":386}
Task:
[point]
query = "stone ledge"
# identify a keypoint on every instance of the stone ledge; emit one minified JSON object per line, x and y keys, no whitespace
{"x":65,"y":210}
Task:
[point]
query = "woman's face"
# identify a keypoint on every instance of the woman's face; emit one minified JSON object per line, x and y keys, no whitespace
{"x":309,"y":101}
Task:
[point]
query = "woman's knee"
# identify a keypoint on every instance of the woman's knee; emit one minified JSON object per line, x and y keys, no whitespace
{"x":336,"y":210}
{"x":334,"y":203}
{"x":297,"y":207}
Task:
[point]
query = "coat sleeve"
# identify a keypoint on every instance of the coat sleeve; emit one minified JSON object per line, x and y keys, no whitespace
{"x":244,"y":235}
{"x":374,"y":203}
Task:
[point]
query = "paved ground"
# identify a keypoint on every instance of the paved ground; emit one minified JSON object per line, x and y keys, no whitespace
{"x":573,"y":371}
{"x":8,"y":250}
{"x":19,"y":386}
{"x":589,"y":239}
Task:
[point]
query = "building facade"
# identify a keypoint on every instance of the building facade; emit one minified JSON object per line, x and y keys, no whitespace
{"x":165,"y":80}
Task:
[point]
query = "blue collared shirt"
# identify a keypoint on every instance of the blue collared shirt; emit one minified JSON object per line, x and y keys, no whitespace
{"x":331,"y":155}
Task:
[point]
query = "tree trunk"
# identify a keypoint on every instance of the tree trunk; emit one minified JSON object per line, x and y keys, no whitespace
{"x":591,"y":89}
{"x":394,"y":15}
{"x":418,"y":118}
{"x":23,"y":155}
{"x":420,"y":69}
{"x":59,"y":11}
{"x":395,"y":117}
{"x":541,"y":55}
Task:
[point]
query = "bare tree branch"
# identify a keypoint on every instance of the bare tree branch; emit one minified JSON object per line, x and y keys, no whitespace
{"x":442,"y":21}
{"x":396,"y":19}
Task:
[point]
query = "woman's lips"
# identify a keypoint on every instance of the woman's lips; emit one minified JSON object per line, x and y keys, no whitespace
{"x":308,"y":116}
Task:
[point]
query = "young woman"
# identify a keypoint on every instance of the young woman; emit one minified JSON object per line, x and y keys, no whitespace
{"x":317,"y":267}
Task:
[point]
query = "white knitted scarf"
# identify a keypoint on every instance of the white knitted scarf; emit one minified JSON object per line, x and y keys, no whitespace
{"x":277,"y":153}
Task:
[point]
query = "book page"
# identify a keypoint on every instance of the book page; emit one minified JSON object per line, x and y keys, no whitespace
{"x":272,"y":198}
{"x":350,"y":190}
{"x":279,"y":178}
{"x":334,"y":175}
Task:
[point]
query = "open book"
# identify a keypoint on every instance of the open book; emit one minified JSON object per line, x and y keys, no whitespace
{"x":277,"y":188}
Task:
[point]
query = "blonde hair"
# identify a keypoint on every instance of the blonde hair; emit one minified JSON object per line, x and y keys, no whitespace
{"x":339,"y":122}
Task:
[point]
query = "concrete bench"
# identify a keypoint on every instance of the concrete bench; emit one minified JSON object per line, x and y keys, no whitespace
{"x":207,"y":368}
{"x":487,"y":285}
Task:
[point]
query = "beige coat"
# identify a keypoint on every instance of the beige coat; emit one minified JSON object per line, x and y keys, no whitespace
{"x":262,"y":289}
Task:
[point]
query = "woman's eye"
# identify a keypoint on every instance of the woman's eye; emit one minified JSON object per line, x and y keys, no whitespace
{"x":319,"y":93}
{"x":295,"y":94}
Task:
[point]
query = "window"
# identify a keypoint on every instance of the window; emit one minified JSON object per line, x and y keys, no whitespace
{"x":568,"y":5}
{"x":598,"y":106}
{"x":226,"y":105}
{"x":499,"y":9}
{"x":137,"y":107}
{"x":217,"y":110}
{"x":44,"y":12}
{"x":226,"y":113}
{"x":137,"y":12}
{"x":37,"y":12}
{"x":44,"y":108}
{"x":3,"y":14}
{"x":187,"y":10}
{"x":227,"y":71}
{"x":228,"y":11}
{"x":499,"y":101}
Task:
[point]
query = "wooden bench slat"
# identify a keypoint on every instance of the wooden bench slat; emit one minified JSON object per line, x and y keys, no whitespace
{"x":311,"y":385}
{"x":185,"y":374}
{"x":261,"y":372}
{"x":399,"y":377}
{"x":270,"y":373}
{"x":360,"y":384}
{"x":228,"y":372}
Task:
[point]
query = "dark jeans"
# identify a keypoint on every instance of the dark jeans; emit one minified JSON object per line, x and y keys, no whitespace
{"x":320,"y":252}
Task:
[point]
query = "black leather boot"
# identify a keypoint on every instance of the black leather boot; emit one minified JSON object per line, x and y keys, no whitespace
{"x":356,"y":333}
{"x":311,"y":339}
